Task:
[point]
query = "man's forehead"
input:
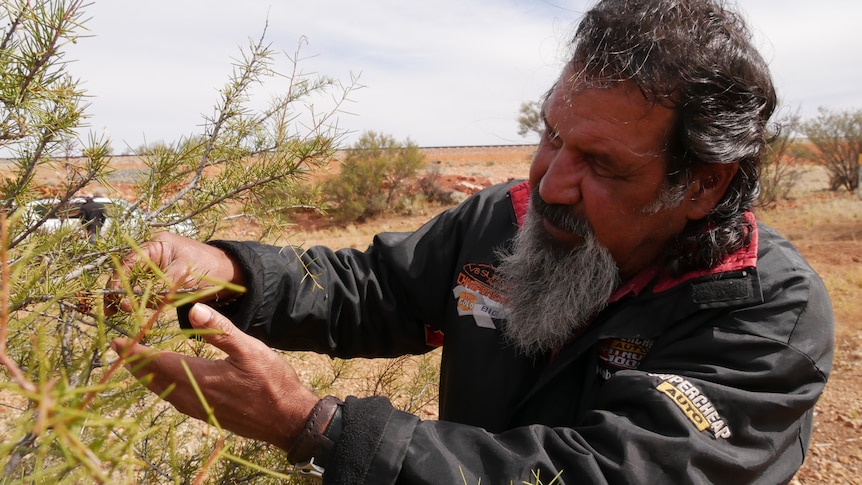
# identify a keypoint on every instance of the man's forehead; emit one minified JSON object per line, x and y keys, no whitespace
{"x":573,"y":84}
{"x":615,"y":119}
{"x":621,"y":102}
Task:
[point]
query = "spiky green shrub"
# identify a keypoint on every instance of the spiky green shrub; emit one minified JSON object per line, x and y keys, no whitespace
{"x":69,"y":412}
{"x":374,"y":177}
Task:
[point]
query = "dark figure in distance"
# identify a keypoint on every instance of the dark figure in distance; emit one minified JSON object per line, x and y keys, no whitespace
{"x":92,"y":217}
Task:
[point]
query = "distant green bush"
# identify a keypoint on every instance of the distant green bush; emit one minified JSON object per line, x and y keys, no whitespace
{"x":375,"y":177}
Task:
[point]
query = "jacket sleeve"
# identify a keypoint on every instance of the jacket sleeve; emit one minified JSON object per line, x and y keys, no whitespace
{"x":729,"y":401}
{"x":351,"y":303}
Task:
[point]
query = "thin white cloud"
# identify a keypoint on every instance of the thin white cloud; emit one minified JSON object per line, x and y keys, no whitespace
{"x":452,"y":72}
{"x":813,"y":51}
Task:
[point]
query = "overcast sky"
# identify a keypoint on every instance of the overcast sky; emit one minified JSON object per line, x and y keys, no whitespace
{"x":449,"y":72}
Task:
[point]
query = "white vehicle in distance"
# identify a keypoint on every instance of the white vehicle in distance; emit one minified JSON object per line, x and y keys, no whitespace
{"x":68,"y":215}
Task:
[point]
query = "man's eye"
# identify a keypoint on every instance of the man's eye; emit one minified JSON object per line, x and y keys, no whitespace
{"x":553,"y":138}
{"x":600,"y":168}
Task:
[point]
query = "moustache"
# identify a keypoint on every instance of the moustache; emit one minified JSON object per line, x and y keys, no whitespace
{"x":560,"y":215}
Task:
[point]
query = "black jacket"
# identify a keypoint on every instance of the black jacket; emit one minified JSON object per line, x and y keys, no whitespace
{"x":708,"y":378}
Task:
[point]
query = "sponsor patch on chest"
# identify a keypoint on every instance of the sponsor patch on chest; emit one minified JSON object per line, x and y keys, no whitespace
{"x":476,"y":294}
{"x":621,"y":354}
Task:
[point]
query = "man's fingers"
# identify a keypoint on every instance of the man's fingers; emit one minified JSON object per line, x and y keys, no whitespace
{"x":137,"y":357}
{"x":116,"y":298}
{"x":163,"y":373}
{"x":128,"y":348}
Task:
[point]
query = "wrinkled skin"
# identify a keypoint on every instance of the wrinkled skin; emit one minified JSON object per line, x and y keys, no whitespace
{"x":184,"y":262}
{"x":252,"y":392}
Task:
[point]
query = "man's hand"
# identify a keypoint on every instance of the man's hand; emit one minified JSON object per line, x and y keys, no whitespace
{"x":252,"y":392}
{"x":184,"y":261}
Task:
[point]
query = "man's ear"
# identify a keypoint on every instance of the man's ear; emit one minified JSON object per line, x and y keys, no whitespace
{"x":710,"y":183}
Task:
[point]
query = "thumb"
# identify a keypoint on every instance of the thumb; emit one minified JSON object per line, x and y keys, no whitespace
{"x":220,"y":331}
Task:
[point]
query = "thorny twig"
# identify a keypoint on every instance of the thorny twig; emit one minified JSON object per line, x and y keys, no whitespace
{"x":5,"y":360}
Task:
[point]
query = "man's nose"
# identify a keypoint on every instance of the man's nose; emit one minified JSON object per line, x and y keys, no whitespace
{"x":562,"y":182}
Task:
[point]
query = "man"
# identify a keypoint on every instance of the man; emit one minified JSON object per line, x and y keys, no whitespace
{"x":92,"y":217}
{"x":620,"y":318}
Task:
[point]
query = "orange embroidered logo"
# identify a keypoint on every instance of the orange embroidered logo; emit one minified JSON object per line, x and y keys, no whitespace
{"x":481,"y":278}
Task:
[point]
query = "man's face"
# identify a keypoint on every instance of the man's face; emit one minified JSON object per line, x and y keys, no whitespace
{"x":603,"y":158}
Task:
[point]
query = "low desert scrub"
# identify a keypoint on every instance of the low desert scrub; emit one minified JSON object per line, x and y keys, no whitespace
{"x":374,"y":178}
{"x":780,"y":170}
{"x":826,"y":226}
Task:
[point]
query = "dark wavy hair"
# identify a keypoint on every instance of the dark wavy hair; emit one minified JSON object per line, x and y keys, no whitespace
{"x":695,"y":56}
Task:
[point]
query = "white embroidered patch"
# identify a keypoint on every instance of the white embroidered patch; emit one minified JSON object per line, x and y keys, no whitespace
{"x":476,"y":294}
{"x":483,"y":309}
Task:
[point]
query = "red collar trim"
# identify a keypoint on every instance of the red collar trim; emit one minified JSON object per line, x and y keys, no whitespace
{"x":520,"y":195}
{"x":635,"y":285}
{"x":741,"y":259}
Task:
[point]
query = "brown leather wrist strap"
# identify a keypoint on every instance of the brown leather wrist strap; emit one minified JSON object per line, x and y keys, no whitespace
{"x":312,"y":442}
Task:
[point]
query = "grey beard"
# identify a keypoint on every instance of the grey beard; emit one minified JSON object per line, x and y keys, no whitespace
{"x":551,"y":290}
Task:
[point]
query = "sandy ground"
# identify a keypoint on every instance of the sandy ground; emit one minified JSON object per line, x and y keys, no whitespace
{"x":826,"y":227}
